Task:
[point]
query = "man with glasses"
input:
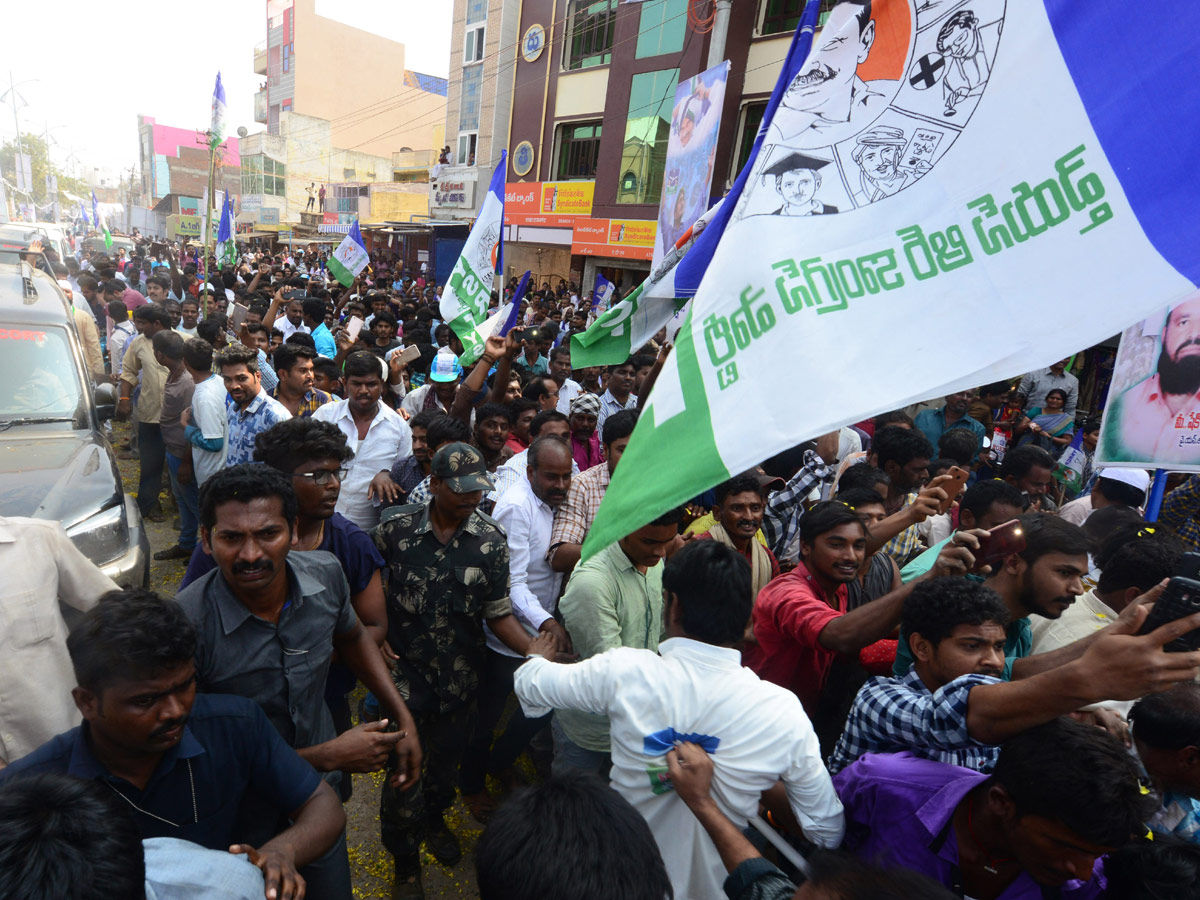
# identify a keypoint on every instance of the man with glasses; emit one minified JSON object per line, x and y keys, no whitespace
{"x":268,"y":622}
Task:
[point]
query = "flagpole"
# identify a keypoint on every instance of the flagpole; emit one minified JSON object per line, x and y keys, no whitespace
{"x":1157,"y":489}
{"x":208,"y":232}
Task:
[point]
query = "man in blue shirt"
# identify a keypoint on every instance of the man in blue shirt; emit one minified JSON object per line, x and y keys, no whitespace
{"x":182,"y":763}
{"x":314,"y":318}
{"x":933,"y":423}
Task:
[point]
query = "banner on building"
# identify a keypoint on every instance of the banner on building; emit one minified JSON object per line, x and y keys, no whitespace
{"x":549,"y":204}
{"x":614,"y":238}
{"x":691,"y":151}
{"x":1152,"y":418}
{"x":897,"y":232}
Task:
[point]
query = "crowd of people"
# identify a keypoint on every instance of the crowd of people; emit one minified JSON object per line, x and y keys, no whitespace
{"x":828,"y":677}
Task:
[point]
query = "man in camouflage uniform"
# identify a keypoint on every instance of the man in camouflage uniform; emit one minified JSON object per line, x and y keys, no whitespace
{"x":446,"y":574}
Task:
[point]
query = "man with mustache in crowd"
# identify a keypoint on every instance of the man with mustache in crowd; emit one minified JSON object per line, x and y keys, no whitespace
{"x":1150,"y":420}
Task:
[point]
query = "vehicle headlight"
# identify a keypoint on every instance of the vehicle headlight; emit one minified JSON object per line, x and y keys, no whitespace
{"x":102,"y":537}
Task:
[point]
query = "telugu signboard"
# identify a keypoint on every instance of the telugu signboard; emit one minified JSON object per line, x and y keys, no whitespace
{"x":551,"y":204}
{"x":454,"y":192}
{"x":616,"y":238}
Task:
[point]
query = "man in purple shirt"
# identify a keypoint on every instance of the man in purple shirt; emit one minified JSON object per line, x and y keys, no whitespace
{"x":1062,"y":795}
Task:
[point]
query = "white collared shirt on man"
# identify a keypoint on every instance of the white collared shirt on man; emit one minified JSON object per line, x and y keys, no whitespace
{"x":533,"y":585}
{"x":43,"y":574}
{"x":689,"y":687}
{"x":388,"y":438}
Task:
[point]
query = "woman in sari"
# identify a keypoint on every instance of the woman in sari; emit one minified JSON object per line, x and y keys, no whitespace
{"x":1047,"y":427}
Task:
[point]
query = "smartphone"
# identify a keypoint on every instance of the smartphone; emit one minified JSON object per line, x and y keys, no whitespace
{"x":1180,"y":599}
{"x":406,"y":355}
{"x":953,"y":485}
{"x":1003,"y":540}
{"x":238,"y":318}
{"x":353,"y":326}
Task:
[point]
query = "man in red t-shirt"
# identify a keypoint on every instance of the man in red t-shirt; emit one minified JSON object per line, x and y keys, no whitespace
{"x":800,"y":619}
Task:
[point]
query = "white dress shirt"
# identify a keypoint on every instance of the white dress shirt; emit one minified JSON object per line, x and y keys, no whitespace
{"x":388,"y":438}
{"x":569,"y":391}
{"x":693,"y":688}
{"x":287,"y":329}
{"x":43,"y":572}
{"x":533,"y":585}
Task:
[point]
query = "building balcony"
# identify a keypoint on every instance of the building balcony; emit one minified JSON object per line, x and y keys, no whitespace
{"x":260,"y":106}
{"x":260,"y":59}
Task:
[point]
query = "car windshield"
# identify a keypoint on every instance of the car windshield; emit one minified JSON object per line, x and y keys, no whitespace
{"x":37,"y":375}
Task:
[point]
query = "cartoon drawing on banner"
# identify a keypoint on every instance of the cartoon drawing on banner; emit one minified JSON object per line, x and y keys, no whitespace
{"x":797,"y":180}
{"x":1153,"y":413}
{"x":886,"y":90}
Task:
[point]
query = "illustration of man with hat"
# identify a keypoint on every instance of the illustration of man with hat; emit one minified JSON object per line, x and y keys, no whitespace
{"x":797,"y":178}
{"x":878,"y":154}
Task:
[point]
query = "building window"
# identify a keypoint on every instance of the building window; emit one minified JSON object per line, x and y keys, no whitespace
{"x":263,"y":175}
{"x":662,"y":27}
{"x":647,"y":128}
{"x":590,"y":33}
{"x":473,"y":43}
{"x":287,"y":57}
{"x":780,"y":16}
{"x":476,"y":11}
{"x":472,"y":84}
{"x":286,"y":105}
{"x":466,"y":149}
{"x":350,"y":174}
{"x":752,"y":116}
{"x":578,"y":150}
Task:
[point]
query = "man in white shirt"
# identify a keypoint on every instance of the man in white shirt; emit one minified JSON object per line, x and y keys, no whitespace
{"x":527,"y":514}
{"x":43,"y":574}
{"x":376,"y":433}
{"x":560,"y":371}
{"x":695,"y":689}
{"x":1127,"y":572}
{"x":206,"y":424}
{"x":1113,"y":487}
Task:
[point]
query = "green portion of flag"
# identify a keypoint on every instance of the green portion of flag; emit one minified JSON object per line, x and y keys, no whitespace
{"x":622,"y":329}
{"x":681,"y":452}
{"x":344,"y":276}
{"x":108,"y":241}
{"x":472,"y":296}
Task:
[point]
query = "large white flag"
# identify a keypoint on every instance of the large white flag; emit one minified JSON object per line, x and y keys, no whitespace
{"x":941,"y":195}
{"x":468,"y":291}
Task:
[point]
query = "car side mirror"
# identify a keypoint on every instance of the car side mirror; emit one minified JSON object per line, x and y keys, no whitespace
{"x":105,"y":396}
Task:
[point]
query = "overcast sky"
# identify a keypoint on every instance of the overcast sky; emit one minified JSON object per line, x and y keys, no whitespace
{"x":99,"y":65}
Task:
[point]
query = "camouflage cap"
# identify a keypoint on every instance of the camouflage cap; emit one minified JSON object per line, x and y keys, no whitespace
{"x":462,"y":467}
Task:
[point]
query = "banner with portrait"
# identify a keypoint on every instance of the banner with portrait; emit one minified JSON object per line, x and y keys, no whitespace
{"x":1152,"y":418}
{"x":691,"y":149}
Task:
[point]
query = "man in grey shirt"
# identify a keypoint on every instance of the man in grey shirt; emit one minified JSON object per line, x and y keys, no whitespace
{"x":268,"y":623}
{"x":1036,"y":385}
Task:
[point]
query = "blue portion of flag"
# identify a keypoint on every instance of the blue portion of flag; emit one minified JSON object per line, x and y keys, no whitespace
{"x":95,"y":211}
{"x":219,"y":91}
{"x":1146,"y":123}
{"x":226,"y":224}
{"x":603,"y":293}
{"x":497,"y":188}
{"x":355,"y":235}
{"x":660,"y":742}
{"x":83,"y":212}
{"x":690,"y":270}
{"x":511,"y":321}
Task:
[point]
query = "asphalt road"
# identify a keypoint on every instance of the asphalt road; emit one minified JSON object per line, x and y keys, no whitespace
{"x":370,"y":864}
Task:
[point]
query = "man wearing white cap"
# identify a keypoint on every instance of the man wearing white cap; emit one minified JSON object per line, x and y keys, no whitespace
{"x":1114,"y":487}
{"x":444,"y":372}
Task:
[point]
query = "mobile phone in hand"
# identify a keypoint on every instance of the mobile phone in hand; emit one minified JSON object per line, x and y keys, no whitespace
{"x":353,"y":326}
{"x":1002,"y":541}
{"x":1180,"y":599}
{"x":953,"y":485}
